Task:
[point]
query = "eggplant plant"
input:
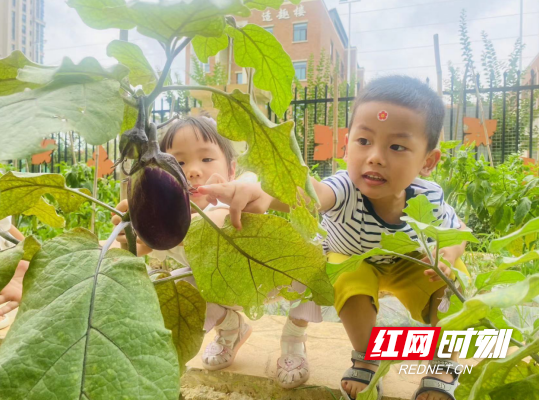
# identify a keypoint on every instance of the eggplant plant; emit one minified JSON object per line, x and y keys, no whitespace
{"x":91,"y":324}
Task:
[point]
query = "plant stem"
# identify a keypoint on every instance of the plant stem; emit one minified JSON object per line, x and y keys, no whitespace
{"x":131,"y":239}
{"x":166,"y":69}
{"x":126,"y":87}
{"x":175,"y":117}
{"x":172,"y":278}
{"x":90,"y":198}
{"x":7,"y":236}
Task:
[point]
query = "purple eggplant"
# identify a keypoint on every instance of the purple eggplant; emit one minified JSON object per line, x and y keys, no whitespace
{"x":158,"y":197}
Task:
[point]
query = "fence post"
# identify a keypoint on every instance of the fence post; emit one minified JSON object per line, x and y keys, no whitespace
{"x":532,"y":82}
{"x":335,"y":120}
{"x":438,"y":76}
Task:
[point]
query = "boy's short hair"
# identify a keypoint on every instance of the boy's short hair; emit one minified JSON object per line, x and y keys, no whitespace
{"x":411,"y":93}
{"x":205,"y":127}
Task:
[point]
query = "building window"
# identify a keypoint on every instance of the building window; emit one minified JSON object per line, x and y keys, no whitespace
{"x":239,"y":78}
{"x":269,"y":29}
{"x":331,"y":51}
{"x":300,"y":32}
{"x":206,"y":67}
{"x":24,"y":18}
{"x":13,"y":22}
{"x":24,"y":29}
{"x":342,"y":70}
{"x":14,"y":3}
{"x":12,"y":47}
{"x":24,"y":8}
{"x":24,"y":40}
{"x":301,"y":70}
{"x":24,"y":50}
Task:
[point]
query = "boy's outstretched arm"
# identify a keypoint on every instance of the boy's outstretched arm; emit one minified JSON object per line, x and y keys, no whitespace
{"x":249,"y":197}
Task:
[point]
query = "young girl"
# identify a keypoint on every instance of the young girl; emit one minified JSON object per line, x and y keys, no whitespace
{"x":206,"y":157}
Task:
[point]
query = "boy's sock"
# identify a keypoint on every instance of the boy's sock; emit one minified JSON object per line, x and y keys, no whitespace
{"x":291,"y":329}
{"x":231,"y":321}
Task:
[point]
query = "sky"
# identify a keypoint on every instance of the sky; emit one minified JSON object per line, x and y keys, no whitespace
{"x":392,"y":36}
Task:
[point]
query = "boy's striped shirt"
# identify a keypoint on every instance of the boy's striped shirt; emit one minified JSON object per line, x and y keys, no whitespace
{"x":353,"y":226}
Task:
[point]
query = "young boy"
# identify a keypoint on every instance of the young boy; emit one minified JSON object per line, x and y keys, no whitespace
{"x":394,"y":130}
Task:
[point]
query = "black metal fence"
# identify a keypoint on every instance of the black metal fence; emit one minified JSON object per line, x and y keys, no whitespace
{"x":514,"y":105}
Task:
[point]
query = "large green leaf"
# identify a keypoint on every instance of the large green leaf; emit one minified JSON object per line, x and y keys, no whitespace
{"x":495,"y":315}
{"x":303,"y":220}
{"x":140,"y":70}
{"x":509,"y":262}
{"x":21,"y":193}
{"x":487,"y":280}
{"x":400,"y":242}
{"x":478,"y":307}
{"x":241,"y":268}
{"x":129,"y":119}
{"x":421,"y":209}
{"x":445,"y":236}
{"x":9,"y":68}
{"x":527,"y":388}
{"x":10,"y":258}
{"x":87,"y":70}
{"x":205,"y":47}
{"x":255,"y":47}
{"x":522,"y":210}
{"x":272,"y":151}
{"x":492,"y":374}
{"x":88,"y":327}
{"x":161,"y":21}
{"x":46,"y":213}
{"x":530,"y":227}
{"x":94,"y":110}
{"x":183,"y":310}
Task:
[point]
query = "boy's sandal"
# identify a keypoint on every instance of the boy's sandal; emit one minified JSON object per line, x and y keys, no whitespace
{"x":429,"y":383}
{"x":217,"y":354}
{"x":292,"y":369}
{"x":362,"y":375}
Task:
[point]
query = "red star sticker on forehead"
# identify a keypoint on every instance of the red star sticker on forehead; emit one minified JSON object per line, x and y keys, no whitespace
{"x":382,"y":115}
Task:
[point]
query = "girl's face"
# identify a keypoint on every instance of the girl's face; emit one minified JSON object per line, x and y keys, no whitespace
{"x":199,"y":161}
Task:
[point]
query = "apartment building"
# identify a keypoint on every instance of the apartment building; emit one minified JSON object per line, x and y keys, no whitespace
{"x":21,"y":28}
{"x":302,"y":29}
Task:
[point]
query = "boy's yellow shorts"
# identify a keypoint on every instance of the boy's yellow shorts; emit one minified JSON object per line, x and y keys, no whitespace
{"x":405,"y":279}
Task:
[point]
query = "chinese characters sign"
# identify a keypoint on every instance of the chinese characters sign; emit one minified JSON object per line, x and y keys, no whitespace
{"x":420,"y":343}
{"x":283,"y":13}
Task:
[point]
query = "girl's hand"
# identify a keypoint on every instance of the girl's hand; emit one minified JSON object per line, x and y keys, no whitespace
{"x":142,"y":249}
{"x":240,"y":196}
{"x":12,"y":292}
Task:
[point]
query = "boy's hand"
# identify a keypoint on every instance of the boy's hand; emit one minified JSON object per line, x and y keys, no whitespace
{"x":142,"y":249}
{"x":431,"y":273}
{"x":240,"y":196}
